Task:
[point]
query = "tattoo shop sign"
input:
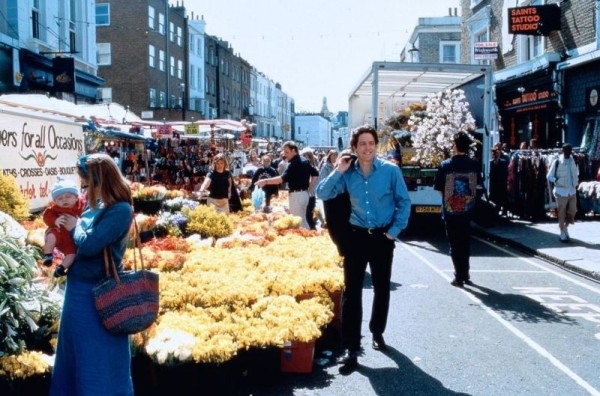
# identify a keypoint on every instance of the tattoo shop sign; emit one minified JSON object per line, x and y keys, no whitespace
{"x":35,"y":148}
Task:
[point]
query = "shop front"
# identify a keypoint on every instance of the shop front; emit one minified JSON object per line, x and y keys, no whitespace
{"x":529,"y":109}
{"x":582,"y":111}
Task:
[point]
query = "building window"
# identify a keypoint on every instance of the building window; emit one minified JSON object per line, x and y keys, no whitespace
{"x":192,"y":44}
{"x":449,"y":52}
{"x":192,"y":76}
{"x":151,"y":17}
{"x":103,"y":54}
{"x":102,"y":14}
{"x":180,"y":69}
{"x":35,"y":20}
{"x":151,"y":56}
{"x":72,"y":37}
{"x":161,"y":23}
{"x":105,"y":95}
{"x":529,"y":47}
{"x":172,"y":67}
{"x":171,"y":32}
{"x":179,"y":36}
{"x":161,"y":60}
{"x":163,"y":99}
{"x":152,"y":98}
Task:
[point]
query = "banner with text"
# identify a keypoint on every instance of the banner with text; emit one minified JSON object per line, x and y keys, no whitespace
{"x":35,"y":150}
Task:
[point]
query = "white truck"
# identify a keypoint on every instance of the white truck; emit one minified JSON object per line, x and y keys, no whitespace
{"x":390,"y":86}
{"x":36,"y":146}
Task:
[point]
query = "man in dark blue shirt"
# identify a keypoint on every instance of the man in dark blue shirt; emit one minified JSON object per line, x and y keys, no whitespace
{"x":457,"y":179}
{"x":380,"y":208}
{"x":297,"y":175}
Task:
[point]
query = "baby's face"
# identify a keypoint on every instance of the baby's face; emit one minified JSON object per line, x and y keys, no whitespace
{"x":67,"y":200}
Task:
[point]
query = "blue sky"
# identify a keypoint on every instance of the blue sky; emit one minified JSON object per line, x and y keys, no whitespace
{"x":316,"y":49}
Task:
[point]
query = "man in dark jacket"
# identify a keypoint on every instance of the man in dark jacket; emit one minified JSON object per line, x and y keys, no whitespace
{"x":457,"y":179}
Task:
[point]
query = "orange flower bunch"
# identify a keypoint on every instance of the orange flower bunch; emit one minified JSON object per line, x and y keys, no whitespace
{"x":150,"y":193}
{"x":168,"y":243}
{"x":175,"y":194}
{"x":167,"y":260}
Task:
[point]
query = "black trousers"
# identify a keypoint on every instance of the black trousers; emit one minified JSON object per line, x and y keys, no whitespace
{"x":378,"y":251}
{"x":310,"y":216}
{"x":458,"y":231}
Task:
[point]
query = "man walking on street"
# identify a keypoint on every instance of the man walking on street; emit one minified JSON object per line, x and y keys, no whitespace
{"x":380,"y":208}
{"x":457,"y":179}
{"x":565,"y":175}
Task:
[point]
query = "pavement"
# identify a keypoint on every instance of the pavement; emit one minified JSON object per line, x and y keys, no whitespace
{"x":580,"y":255}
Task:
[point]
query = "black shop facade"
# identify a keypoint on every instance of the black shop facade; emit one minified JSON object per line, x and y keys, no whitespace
{"x":528,"y":108}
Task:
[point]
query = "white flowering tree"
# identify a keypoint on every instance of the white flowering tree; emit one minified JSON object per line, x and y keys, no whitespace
{"x":447,"y":112}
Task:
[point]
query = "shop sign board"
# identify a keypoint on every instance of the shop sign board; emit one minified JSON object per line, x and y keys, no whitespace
{"x":529,"y":99}
{"x":192,"y":129}
{"x":591,"y":99}
{"x":36,"y":148}
{"x":486,"y":50}
{"x":537,"y":20}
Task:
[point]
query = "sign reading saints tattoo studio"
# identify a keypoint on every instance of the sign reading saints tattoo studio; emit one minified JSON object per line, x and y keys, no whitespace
{"x":528,"y":99}
{"x":534,"y":20}
{"x":35,"y":148}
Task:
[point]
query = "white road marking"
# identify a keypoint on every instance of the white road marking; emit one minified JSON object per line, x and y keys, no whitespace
{"x":531,"y":262}
{"x":531,"y":343}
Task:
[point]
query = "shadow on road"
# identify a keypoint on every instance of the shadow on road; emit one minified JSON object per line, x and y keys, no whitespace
{"x":404,"y":379}
{"x":517,"y":307}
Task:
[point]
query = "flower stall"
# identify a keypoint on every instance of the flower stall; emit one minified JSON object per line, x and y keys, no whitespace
{"x":231,"y":287}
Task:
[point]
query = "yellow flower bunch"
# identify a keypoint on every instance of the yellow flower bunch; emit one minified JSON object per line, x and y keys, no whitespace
{"x":287,"y":222}
{"x":205,"y":221}
{"x":12,"y":201}
{"x":25,"y":365}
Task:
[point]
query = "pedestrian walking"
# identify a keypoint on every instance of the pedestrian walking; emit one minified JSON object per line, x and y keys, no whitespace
{"x":564,"y":174}
{"x":457,"y":179}
{"x":380,"y":209}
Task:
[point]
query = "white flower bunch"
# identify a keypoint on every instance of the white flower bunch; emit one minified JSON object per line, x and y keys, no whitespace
{"x":447,"y":113}
{"x":170,"y":346}
{"x":10,"y":228}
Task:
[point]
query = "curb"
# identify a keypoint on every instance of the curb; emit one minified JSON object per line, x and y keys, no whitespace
{"x":593,"y":275}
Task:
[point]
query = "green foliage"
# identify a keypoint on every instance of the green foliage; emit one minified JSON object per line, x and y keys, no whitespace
{"x":12,"y":200}
{"x":204,"y":220}
{"x":17,"y":294}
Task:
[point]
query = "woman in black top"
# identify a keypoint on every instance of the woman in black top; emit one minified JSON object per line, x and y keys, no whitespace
{"x":218,"y":183}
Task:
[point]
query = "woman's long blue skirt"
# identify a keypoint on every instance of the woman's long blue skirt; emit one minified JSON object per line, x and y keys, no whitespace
{"x":89,"y":359}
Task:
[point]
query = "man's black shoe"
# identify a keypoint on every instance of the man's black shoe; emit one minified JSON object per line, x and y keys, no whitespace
{"x":469,"y":282}
{"x":349,"y":362}
{"x":457,"y":283}
{"x":379,"y":343}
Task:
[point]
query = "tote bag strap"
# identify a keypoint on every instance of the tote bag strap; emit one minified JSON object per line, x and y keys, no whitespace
{"x":109,"y":264}
{"x":109,"y":261}
{"x":137,"y":246}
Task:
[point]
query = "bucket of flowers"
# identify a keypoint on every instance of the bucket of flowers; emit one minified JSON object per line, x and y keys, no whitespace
{"x":149,"y":199}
